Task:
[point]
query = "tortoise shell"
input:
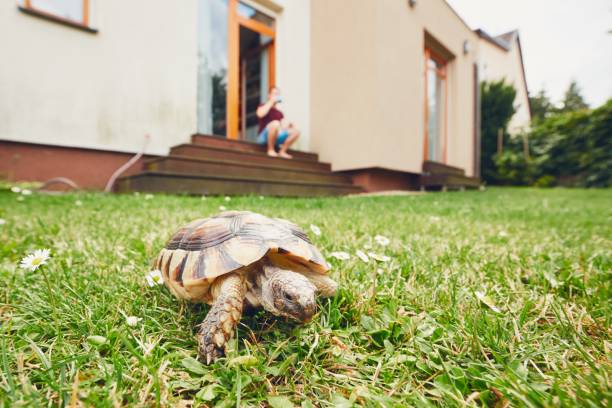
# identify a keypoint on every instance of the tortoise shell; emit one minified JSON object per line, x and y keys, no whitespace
{"x":207,"y":248}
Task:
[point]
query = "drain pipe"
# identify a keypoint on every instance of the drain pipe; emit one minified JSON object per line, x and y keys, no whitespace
{"x":58,"y":180}
{"x":127,"y":165}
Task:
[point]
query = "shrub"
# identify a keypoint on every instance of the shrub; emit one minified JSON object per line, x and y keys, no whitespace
{"x":575,"y":148}
{"x":572,"y":149}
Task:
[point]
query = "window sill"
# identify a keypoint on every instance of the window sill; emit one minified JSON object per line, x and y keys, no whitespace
{"x":56,"y":19}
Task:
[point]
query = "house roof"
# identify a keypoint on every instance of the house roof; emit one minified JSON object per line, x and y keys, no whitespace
{"x":503,"y":41}
{"x":508,"y":37}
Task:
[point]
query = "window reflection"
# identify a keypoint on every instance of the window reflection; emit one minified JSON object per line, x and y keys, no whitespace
{"x":212,"y":67}
{"x":68,"y":9}
{"x":436,"y":109}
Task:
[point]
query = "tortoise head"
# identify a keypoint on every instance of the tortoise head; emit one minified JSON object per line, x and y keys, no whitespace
{"x":288,"y":293}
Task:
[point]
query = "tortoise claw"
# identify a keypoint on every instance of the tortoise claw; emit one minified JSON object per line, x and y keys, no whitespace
{"x":209,"y":352}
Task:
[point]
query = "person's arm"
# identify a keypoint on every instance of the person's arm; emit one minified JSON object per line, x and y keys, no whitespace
{"x":265,"y":108}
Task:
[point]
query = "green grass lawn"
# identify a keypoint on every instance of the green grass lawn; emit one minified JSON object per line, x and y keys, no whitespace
{"x":489,"y":298}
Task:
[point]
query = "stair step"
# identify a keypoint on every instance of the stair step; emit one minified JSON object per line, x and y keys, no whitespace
{"x":184,"y":183}
{"x":216,"y":153}
{"x":449,"y":181}
{"x":185,"y":164}
{"x":244,"y":146}
{"x":431,"y":167}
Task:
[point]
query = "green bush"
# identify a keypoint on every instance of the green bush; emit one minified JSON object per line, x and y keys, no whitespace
{"x":575,"y":148}
{"x":597,"y":164}
{"x":513,"y":168}
{"x":572,"y":149}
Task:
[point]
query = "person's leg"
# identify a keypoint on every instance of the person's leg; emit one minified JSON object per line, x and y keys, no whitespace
{"x":273,"y":130}
{"x":294,"y":134}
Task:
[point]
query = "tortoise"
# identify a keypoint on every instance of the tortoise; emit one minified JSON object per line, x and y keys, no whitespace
{"x":241,"y":258}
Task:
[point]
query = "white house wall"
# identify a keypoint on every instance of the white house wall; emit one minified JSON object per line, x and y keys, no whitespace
{"x":367,"y":101}
{"x":63,"y":86}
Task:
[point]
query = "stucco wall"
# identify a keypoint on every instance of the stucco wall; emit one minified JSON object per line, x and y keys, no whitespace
{"x":67,"y":87}
{"x":367,"y":83}
{"x":497,"y":63}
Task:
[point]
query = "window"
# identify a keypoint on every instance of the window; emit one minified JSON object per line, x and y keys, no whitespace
{"x":71,"y":12}
{"x":436,"y":98}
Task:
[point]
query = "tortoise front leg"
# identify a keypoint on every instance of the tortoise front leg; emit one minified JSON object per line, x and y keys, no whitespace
{"x":221,"y":320}
{"x":326,"y":286}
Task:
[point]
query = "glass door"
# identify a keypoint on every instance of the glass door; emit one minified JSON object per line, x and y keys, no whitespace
{"x":435,"y":107}
{"x":236,"y":55}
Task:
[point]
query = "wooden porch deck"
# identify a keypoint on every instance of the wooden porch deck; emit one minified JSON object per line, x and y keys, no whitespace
{"x":218,"y":166}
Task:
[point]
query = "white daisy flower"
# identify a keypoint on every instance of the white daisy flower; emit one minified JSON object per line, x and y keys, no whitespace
{"x":343,"y":256}
{"x":2,"y":221}
{"x":315,"y":230}
{"x":78,"y":203}
{"x":35,"y":259}
{"x":26,"y":192}
{"x":20,"y":198}
{"x":222,"y":208}
{"x":382,"y":240}
{"x":434,"y":218}
{"x":261,"y":197}
{"x":502,"y":234}
{"x":228,"y":198}
{"x":380,"y":258}
{"x":487,"y":301}
{"x":203,"y":198}
{"x":155,"y":278}
{"x":132,"y":321}
{"x":362,"y":256}
{"x":15,"y":189}
{"x":148,"y":196}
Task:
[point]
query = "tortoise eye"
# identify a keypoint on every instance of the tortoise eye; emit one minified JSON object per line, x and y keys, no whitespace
{"x":288,"y":296}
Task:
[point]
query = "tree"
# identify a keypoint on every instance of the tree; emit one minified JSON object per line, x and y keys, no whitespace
{"x":573,"y":100}
{"x":541,"y":106}
{"x":497,"y":108}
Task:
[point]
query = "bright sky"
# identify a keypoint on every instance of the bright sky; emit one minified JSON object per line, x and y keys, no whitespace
{"x":561,"y":40}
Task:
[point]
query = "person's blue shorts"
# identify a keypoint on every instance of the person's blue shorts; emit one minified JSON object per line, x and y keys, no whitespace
{"x":282,"y":136}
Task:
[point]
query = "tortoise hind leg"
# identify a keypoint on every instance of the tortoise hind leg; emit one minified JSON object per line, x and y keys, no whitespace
{"x":222,"y":318}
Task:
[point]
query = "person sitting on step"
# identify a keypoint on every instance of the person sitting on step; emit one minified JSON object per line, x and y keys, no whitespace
{"x":274,"y":130}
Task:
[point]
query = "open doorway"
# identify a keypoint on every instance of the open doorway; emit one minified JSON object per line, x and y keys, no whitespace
{"x":236,"y":66}
{"x":254,"y":79}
